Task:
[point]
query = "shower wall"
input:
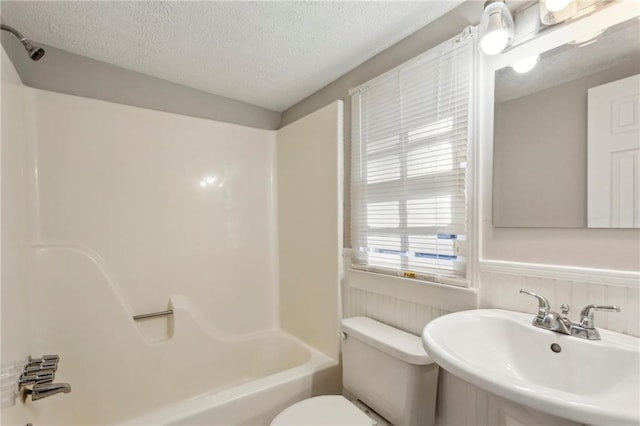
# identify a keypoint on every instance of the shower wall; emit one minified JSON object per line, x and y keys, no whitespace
{"x":14,"y":267}
{"x":170,"y":204}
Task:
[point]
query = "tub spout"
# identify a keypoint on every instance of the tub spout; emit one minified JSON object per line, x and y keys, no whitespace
{"x":44,"y":390}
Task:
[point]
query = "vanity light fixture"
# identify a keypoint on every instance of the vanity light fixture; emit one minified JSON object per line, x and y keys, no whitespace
{"x":526,"y":64}
{"x":496,"y":27}
{"x":556,"y":5}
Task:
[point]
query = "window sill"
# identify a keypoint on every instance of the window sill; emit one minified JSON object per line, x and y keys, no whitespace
{"x":442,"y":296}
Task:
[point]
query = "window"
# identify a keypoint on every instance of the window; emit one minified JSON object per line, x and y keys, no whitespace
{"x":410,"y":136}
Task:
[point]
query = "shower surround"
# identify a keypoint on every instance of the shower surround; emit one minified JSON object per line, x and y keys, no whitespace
{"x":111,"y":211}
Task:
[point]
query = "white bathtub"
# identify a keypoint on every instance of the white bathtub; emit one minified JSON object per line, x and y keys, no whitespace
{"x":202,"y":377}
{"x":194,"y":378}
{"x":196,"y":375}
{"x":272,"y":373}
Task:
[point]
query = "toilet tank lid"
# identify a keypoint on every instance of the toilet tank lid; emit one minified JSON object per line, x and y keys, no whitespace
{"x":400,"y":344}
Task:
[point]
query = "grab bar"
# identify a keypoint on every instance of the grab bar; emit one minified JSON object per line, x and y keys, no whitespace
{"x":153,"y":314}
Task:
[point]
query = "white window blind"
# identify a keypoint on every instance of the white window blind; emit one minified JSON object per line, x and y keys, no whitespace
{"x":410,"y":133}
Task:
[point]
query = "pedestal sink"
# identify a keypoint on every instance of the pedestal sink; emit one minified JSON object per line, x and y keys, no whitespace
{"x":595,"y":382}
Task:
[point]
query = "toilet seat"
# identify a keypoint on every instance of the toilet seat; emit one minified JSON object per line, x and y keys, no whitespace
{"x":323,"y":410}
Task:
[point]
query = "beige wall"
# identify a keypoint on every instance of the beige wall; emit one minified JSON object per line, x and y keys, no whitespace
{"x":540,"y":154}
{"x":310,"y":226}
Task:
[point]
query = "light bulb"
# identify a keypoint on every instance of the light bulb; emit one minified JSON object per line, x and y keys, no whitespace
{"x":496,"y":27}
{"x":526,"y":64}
{"x":494,"y":42}
{"x":556,"y":5}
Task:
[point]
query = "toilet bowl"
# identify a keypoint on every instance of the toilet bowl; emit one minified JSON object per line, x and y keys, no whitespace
{"x":387,"y":375}
{"x":324,"y":410}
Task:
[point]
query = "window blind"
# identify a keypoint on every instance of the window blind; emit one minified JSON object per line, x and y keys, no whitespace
{"x":410,"y":133}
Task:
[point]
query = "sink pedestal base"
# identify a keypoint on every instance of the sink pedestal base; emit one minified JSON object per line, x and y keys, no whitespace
{"x":461,"y":403}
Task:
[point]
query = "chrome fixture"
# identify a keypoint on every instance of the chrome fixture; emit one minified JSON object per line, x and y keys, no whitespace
{"x":38,"y":368}
{"x":499,"y":29}
{"x":39,"y":373}
{"x":553,"y":12}
{"x":543,"y":306}
{"x":44,"y":390}
{"x":560,"y":323}
{"x":35,"y":53}
{"x":496,"y":28}
{"x":153,"y":314}
{"x":36,"y":378}
{"x":586,"y":326}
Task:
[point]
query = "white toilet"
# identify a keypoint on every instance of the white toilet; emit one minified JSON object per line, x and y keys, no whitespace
{"x":385,"y":370}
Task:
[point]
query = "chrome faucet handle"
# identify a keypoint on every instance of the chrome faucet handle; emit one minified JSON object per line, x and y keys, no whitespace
{"x":43,"y":359}
{"x":543,"y":304}
{"x":35,"y":378}
{"x":586,"y":315}
{"x":44,"y":367}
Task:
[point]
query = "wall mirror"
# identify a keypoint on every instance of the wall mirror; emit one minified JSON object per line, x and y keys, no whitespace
{"x":545,"y":119}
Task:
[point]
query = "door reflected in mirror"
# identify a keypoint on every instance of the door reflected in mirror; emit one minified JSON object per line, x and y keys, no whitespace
{"x":559,"y":163}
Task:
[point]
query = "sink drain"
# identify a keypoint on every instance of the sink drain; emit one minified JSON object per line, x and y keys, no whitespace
{"x":556,"y":348}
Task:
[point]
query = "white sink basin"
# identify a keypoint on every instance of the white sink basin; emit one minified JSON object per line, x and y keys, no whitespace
{"x":589,"y":381}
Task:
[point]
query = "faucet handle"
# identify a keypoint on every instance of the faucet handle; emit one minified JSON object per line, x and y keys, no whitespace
{"x":43,"y":359}
{"x":543,"y":303}
{"x":35,"y":378}
{"x":586,"y":315}
{"x":44,"y":367}
{"x":44,"y":390}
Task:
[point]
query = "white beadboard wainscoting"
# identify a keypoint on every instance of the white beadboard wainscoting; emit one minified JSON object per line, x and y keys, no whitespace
{"x":400,"y":302}
{"x":502,"y":290}
{"x":373,"y":295}
{"x":402,"y":314}
{"x":409,"y":304}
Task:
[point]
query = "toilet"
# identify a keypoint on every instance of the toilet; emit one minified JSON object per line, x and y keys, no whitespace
{"x":387,"y":376}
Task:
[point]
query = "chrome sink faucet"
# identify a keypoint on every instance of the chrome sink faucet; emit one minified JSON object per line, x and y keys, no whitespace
{"x":560,"y":323}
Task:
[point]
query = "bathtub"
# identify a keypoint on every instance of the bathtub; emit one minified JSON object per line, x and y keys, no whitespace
{"x":271,"y":372}
{"x":196,"y":375}
{"x":290,"y":372}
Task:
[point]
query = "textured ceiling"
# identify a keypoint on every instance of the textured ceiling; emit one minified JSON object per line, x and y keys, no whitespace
{"x":267,"y":53}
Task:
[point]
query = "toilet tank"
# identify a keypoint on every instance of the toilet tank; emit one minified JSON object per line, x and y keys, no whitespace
{"x":389,"y":370}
